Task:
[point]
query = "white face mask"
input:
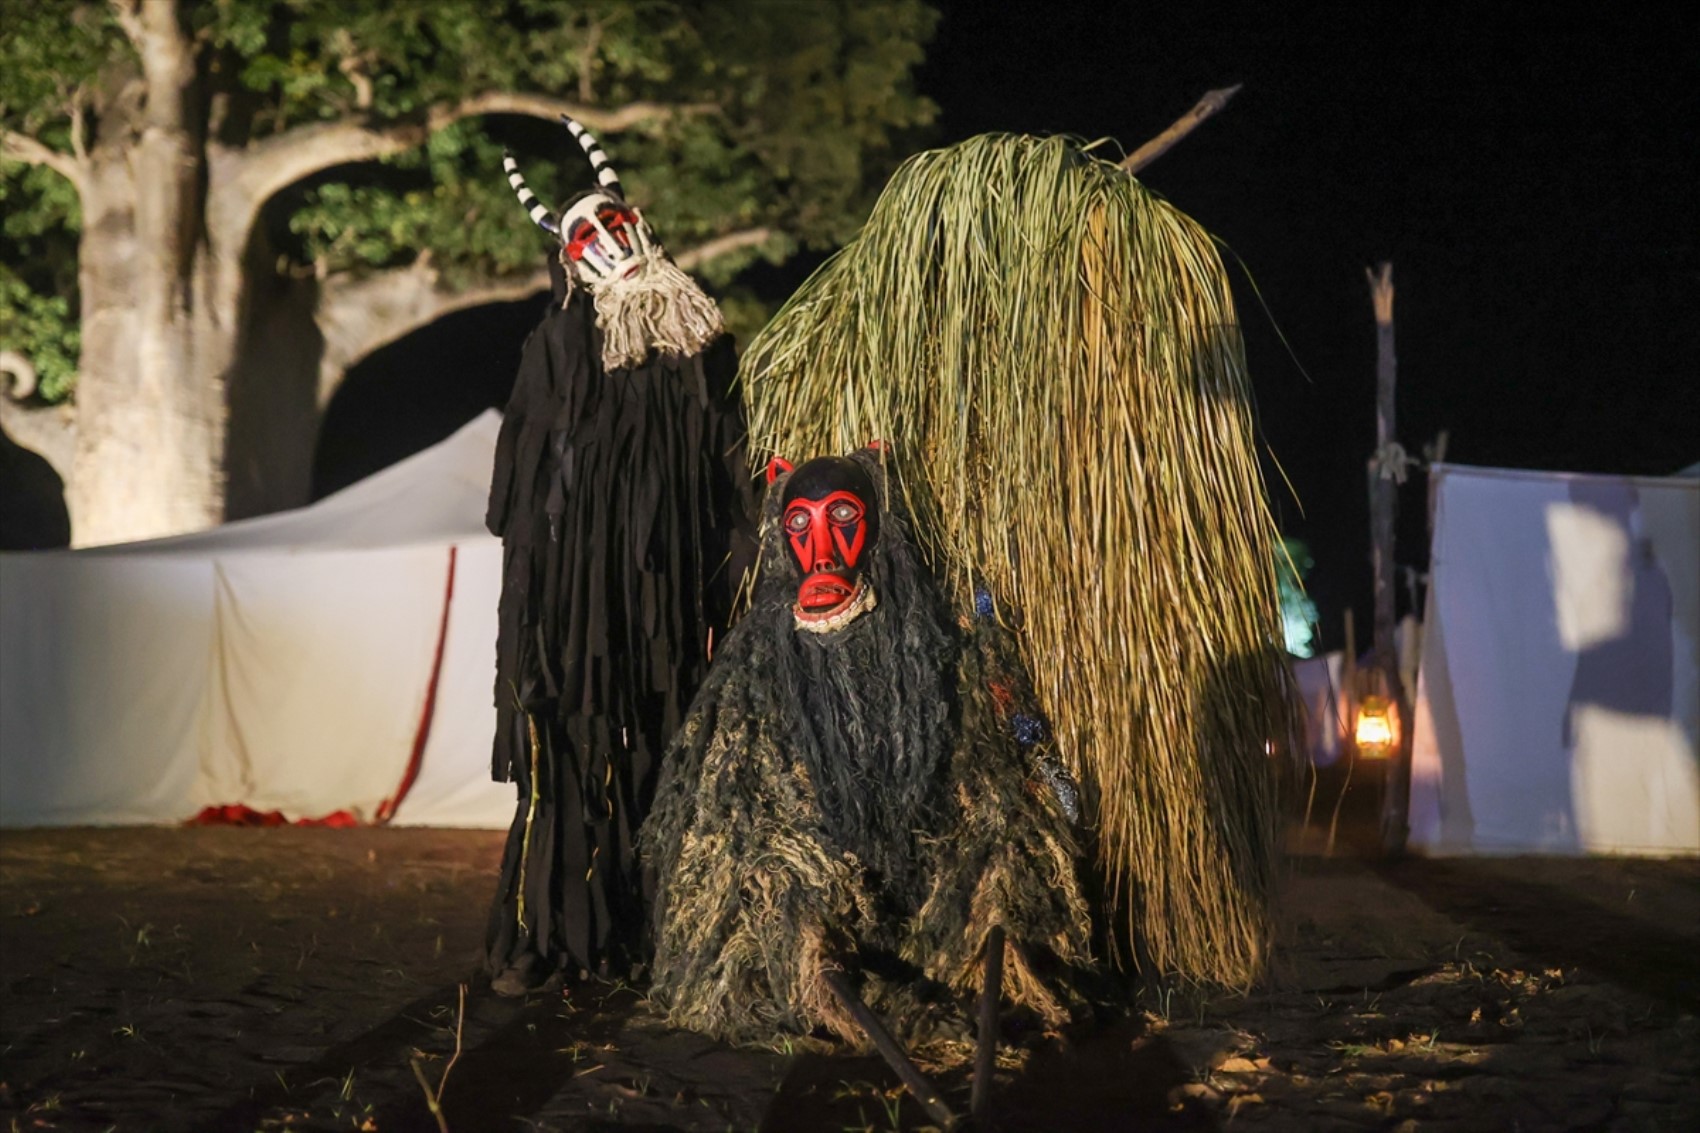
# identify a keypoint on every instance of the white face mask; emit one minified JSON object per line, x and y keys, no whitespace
{"x":603,"y":239}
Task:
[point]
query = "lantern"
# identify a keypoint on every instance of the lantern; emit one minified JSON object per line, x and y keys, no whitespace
{"x":1377,"y":728}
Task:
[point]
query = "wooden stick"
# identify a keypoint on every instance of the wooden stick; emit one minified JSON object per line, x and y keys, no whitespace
{"x":1383,"y":504}
{"x":913,"y":1079}
{"x":1155,"y":148}
{"x":986,"y":1053}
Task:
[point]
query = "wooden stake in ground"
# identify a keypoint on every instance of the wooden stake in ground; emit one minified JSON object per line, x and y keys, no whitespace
{"x":1387,"y":472}
{"x":889,"y":1048}
{"x":986,"y":1054}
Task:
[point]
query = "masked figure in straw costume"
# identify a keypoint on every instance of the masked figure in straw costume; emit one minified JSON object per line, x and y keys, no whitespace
{"x":1053,"y":352}
{"x":859,"y":785}
{"x":619,"y":480}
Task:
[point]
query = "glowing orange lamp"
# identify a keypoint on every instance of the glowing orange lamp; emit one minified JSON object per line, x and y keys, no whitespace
{"x":1377,"y":728}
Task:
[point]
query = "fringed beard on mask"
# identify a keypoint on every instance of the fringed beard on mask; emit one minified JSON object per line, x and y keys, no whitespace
{"x":659,"y":307}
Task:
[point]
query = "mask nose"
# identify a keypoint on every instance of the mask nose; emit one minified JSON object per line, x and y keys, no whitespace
{"x":820,"y":543}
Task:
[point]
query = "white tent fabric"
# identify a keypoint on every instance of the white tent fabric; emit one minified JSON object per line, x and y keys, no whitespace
{"x":1558,"y":704}
{"x":1325,"y":704}
{"x":92,"y":732}
{"x":453,"y":786}
{"x":309,"y":662}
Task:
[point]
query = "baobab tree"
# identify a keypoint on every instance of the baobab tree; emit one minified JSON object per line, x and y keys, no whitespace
{"x":215,"y":207}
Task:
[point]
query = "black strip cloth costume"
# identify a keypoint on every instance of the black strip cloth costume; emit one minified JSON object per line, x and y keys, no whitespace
{"x":619,"y":482}
{"x":861,"y":784}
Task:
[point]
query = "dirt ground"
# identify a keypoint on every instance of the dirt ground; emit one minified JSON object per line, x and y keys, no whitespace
{"x":237,"y":979}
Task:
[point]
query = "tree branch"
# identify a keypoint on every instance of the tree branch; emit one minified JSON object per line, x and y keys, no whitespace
{"x":48,"y":431}
{"x":353,"y":69}
{"x":128,"y":15}
{"x":16,"y":365}
{"x":167,"y":61}
{"x":360,"y":315}
{"x":79,"y":105}
{"x":1207,"y":106}
{"x":720,"y":246}
{"x":22,"y":147}
{"x":587,"y":60}
{"x":268,"y":166}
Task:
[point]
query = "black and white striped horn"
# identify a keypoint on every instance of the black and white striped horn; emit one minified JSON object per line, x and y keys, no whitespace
{"x":540,"y":215}
{"x":606,"y":178}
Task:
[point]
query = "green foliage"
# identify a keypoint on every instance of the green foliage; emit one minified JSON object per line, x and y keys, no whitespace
{"x":793,"y":114}
{"x":794,"y":108}
{"x":39,"y":222}
{"x":44,"y":330}
{"x":49,"y":49}
{"x":1293,"y":561}
{"x":441,"y":197}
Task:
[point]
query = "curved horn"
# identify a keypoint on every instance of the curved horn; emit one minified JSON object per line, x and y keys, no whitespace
{"x":540,"y":215}
{"x":599,"y":163}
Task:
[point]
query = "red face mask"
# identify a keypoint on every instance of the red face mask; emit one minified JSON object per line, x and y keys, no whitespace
{"x":831,"y":524}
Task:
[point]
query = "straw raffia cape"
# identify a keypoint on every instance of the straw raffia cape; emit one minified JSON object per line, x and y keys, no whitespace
{"x":1053,"y":351}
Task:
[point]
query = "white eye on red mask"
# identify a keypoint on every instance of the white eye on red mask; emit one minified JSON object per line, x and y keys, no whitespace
{"x":830,"y":516}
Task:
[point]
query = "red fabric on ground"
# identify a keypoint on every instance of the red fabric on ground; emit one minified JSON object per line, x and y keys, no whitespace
{"x":235,"y":814}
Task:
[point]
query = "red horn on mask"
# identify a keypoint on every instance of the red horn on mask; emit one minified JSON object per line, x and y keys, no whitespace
{"x":777,"y":467}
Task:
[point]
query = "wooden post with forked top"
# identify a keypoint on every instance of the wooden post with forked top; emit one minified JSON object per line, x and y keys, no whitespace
{"x":1386,"y":473}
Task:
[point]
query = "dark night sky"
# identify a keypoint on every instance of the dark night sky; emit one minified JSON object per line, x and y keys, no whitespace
{"x":1532,"y":177}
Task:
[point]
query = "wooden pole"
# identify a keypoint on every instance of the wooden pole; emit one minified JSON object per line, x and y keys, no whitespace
{"x":986,"y":1054}
{"x":1349,"y":663}
{"x":1386,"y":471}
{"x":1206,"y":107}
{"x":931,"y":1100}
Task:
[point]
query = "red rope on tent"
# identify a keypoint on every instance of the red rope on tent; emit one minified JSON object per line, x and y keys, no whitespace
{"x":387,"y":810}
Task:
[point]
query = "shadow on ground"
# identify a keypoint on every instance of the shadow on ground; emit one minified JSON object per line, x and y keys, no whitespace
{"x":1535,"y":906}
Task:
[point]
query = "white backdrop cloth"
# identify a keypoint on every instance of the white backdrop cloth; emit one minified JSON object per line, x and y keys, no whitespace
{"x":1559,"y":697}
{"x":308,"y":662}
{"x":1326,"y":706}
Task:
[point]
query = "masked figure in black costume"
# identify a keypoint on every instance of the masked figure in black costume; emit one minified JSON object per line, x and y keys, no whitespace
{"x":862,"y":783}
{"x":618,"y":485}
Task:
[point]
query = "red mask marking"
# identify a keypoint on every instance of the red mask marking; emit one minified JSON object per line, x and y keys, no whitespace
{"x":826,"y":537}
{"x":827,"y":534}
{"x":584,"y":238}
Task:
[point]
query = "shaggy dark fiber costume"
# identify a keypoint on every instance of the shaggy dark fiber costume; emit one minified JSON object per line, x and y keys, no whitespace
{"x":616,"y":494}
{"x":865,"y":799}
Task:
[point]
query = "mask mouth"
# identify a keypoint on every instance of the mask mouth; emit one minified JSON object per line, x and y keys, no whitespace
{"x":822,"y":595}
{"x":829,"y":620}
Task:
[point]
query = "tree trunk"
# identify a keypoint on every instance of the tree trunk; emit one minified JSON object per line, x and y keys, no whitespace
{"x":359,"y":316}
{"x":48,"y":431}
{"x":150,"y":390}
{"x":150,"y":405}
{"x":204,"y":373}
